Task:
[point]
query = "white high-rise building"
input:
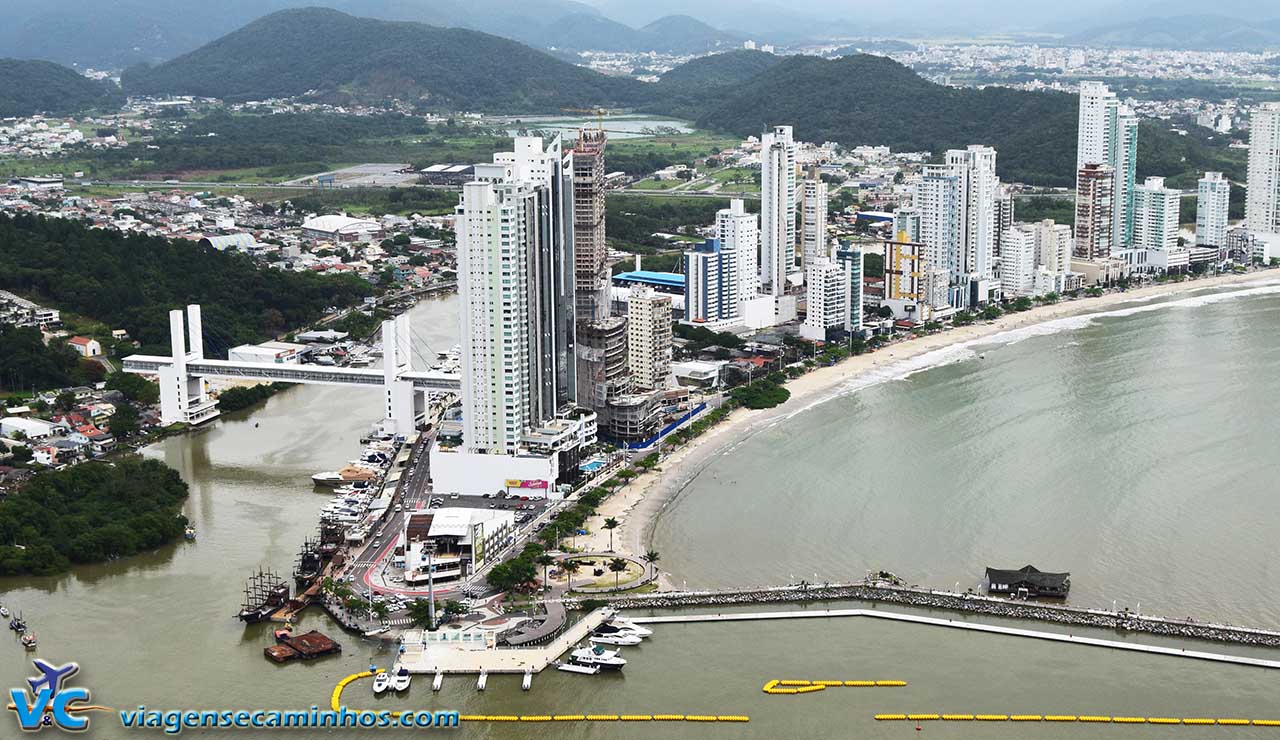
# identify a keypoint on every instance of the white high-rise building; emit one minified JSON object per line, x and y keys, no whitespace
{"x":711,"y":284}
{"x":906,"y":221}
{"x":649,"y":338}
{"x":1108,"y":135}
{"x":1213,"y":201}
{"x":813,"y":229}
{"x":720,"y":276}
{"x":1035,"y":258}
{"x":957,"y":203}
{"x":1018,"y":260}
{"x":739,"y":233}
{"x":834,"y":295}
{"x":777,"y":209}
{"x":1155,"y":211}
{"x":1053,"y":247}
{"x":1262,"y":203}
{"x":515,"y":282}
{"x":1098,"y":107}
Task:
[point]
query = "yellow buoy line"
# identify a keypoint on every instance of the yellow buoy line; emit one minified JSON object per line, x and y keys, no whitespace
{"x":790,"y":686}
{"x":604,"y":718}
{"x":922,"y":717}
{"x":335,"y":702}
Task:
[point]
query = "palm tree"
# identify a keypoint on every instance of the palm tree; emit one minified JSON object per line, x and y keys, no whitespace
{"x":610,"y":524}
{"x":617,"y":565}
{"x":546,"y":561}
{"x":651,"y":557}
{"x":570,"y":567}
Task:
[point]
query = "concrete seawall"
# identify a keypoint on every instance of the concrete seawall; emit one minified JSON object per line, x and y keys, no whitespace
{"x":968,"y":603}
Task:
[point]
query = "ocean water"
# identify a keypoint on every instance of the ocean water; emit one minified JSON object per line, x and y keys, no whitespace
{"x":1133,"y":448}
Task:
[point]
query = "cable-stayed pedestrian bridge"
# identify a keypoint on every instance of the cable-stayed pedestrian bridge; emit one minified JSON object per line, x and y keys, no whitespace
{"x":183,"y":396}
{"x":423,"y":380}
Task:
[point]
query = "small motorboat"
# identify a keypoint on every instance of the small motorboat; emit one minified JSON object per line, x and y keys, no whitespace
{"x":29,"y":641}
{"x":615,"y":638}
{"x":17,"y":625}
{"x":4,"y":611}
{"x":575,"y":668}
{"x":189,"y":533}
{"x":376,"y":631}
{"x":400,"y":682}
{"x":381,"y":681}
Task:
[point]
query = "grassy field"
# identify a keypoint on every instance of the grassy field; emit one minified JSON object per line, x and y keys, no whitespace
{"x":738,"y":179}
{"x":651,"y":184}
{"x":636,"y":155}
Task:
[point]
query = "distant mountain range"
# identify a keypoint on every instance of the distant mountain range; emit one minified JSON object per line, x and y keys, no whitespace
{"x":855,"y":99}
{"x":28,"y":87}
{"x":85,"y":33}
{"x":294,"y":52}
{"x":1215,"y":32}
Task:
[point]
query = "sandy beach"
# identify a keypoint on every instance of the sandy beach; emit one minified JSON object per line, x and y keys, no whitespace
{"x":638,"y":505}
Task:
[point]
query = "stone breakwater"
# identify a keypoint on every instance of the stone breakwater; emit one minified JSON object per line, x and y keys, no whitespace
{"x":974,"y":604}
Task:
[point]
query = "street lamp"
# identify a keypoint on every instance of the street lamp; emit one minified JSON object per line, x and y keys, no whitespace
{"x":430,"y":547}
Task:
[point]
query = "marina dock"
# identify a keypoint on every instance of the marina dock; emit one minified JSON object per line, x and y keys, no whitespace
{"x":954,"y":624}
{"x":444,"y":658}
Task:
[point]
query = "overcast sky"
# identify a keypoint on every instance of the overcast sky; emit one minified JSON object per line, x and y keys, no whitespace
{"x":974,"y":15}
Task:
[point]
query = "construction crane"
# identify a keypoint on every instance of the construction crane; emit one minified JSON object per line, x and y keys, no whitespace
{"x":599,"y":113}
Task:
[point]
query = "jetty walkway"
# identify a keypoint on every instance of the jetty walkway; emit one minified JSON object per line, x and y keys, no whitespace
{"x":878,"y":592}
{"x":450,"y":658}
{"x":973,"y":626}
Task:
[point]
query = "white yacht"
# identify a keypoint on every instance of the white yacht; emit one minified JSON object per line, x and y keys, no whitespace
{"x":381,"y":682}
{"x":615,"y":638}
{"x":400,"y":682}
{"x":598,"y":656}
{"x":626,"y":625}
{"x":331,"y":478}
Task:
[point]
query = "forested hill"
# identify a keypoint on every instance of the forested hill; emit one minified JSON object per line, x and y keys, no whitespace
{"x":132,"y":282}
{"x":89,"y":514}
{"x":28,"y":87}
{"x":866,"y":99}
{"x":340,"y":56}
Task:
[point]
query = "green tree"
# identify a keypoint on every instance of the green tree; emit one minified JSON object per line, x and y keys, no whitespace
{"x":65,"y":401}
{"x":610,"y":524}
{"x":964,"y":318}
{"x":991,"y":312}
{"x":570,"y":567}
{"x":546,"y":561}
{"x":420,"y":614}
{"x":124,"y":422}
{"x":135,"y":388}
{"x":617,"y":566}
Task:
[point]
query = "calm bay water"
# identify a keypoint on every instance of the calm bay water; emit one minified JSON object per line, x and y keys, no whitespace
{"x":1133,"y":452}
{"x":1136,"y":452}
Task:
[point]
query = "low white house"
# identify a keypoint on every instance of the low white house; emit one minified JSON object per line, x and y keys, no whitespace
{"x":85,"y":346}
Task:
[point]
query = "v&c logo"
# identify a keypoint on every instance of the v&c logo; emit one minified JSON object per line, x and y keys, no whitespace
{"x":50,"y":702}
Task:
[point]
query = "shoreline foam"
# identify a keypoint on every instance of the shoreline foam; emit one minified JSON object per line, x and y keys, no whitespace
{"x":641,"y":503}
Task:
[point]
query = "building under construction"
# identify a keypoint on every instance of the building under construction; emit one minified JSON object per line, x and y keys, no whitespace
{"x":590,"y":252}
{"x":602,"y":363}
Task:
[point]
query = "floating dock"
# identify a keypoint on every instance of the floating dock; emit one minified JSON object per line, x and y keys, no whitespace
{"x":306,"y":646}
